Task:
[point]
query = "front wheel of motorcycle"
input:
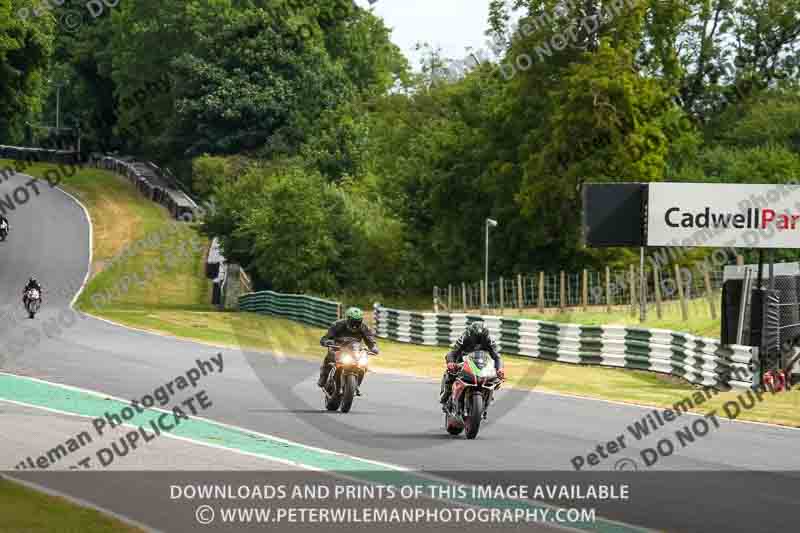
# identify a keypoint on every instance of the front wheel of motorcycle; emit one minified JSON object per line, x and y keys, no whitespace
{"x":350,"y":385}
{"x":332,"y":402}
{"x":452,"y":425}
{"x":472,"y":421}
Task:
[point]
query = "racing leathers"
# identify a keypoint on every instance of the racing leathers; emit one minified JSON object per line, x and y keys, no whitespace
{"x":468,"y":342}
{"x":340,"y":330}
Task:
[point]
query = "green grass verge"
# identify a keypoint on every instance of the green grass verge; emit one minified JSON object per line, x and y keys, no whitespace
{"x":175,"y":303}
{"x":23,"y":509}
{"x":699,"y":322}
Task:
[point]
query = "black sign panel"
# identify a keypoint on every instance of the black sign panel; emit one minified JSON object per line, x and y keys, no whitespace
{"x":613,"y":214}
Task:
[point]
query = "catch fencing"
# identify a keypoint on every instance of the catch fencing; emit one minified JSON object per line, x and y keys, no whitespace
{"x":698,"y":360}
{"x":298,"y":307}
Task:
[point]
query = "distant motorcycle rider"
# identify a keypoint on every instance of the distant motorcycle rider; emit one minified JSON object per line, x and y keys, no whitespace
{"x":351,"y":326}
{"x":32,"y":284}
{"x":475,"y":337}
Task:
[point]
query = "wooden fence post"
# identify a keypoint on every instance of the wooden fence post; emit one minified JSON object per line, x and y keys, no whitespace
{"x":608,"y":289}
{"x":502,"y":295}
{"x":435,"y":299}
{"x":710,"y":295}
{"x":520,"y":293}
{"x":471,"y":297}
{"x":541,"y":292}
{"x":585,"y":289}
{"x":657,"y":284}
{"x":563,"y":290}
{"x":449,"y":298}
{"x":679,"y":282}
{"x":464,"y":296}
{"x":483,"y":297}
{"x":533,"y":291}
{"x":740,"y":260}
{"x":633,"y":290}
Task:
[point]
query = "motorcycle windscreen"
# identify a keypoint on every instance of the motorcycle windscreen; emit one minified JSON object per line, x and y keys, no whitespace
{"x":480,"y":359}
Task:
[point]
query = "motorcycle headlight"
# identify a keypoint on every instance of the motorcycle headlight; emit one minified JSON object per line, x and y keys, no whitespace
{"x":363,"y":361}
{"x":347,"y":360}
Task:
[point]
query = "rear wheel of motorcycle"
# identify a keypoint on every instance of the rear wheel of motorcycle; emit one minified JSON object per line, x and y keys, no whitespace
{"x":350,"y":384}
{"x":472,"y":422}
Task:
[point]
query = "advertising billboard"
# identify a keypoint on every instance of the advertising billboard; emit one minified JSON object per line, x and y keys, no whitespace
{"x":723,"y":215}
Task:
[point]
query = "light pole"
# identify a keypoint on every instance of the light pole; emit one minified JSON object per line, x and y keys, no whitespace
{"x":58,"y":106}
{"x":59,"y":85}
{"x":492,"y":223}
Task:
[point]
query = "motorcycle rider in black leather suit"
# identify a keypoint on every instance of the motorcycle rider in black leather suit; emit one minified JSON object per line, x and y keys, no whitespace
{"x":475,"y":337}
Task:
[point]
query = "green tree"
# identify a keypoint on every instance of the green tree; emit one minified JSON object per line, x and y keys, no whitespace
{"x":26,"y":44}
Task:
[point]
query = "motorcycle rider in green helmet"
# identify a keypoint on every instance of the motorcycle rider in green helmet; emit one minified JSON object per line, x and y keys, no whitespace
{"x":351,"y":326}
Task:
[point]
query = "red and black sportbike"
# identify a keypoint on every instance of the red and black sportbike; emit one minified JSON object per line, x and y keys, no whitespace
{"x":345,"y":375}
{"x":472,"y":392}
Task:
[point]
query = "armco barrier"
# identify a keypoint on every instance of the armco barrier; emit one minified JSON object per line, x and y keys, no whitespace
{"x":699,"y":360}
{"x":38,"y":155}
{"x":153,"y":182}
{"x":298,"y":307}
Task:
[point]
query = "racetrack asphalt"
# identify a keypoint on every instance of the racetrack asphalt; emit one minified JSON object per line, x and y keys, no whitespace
{"x":398,"y":421}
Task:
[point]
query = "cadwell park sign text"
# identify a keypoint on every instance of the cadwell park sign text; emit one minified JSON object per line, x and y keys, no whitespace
{"x":723,"y":215}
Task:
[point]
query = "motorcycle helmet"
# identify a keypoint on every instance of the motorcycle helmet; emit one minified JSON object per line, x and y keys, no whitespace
{"x":477,"y":328}
{"x":354,"y":317}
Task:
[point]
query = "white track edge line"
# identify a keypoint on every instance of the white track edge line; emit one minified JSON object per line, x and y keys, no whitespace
{"x":79,"y":502}
{"x":339,"y":474}
{"x":169,"y":435}
{"x":221,"y":424}
{"x":286,"y":461}
{"x":91,"y":245}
